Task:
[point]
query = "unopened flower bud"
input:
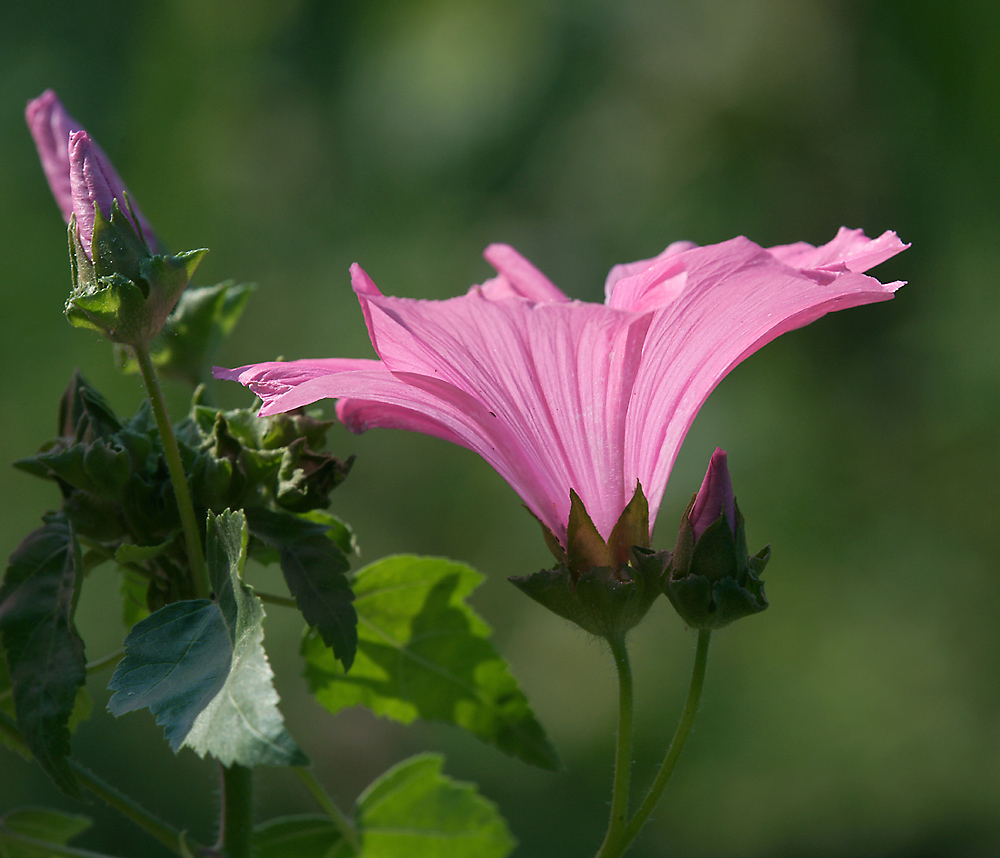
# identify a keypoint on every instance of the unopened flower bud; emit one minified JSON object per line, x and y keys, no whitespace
{"x":711,"y":581}
{"x":124,"y":287}
{"x":715,"y":497}
{"x":51,"y":128}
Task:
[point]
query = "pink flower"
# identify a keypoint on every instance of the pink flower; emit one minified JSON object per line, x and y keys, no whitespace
{"x":558,"y":394}
{"x":715,"y":497}
{"x":78,"y":171}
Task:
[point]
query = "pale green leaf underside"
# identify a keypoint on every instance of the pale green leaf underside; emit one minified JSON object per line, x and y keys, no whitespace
{"x":200,"y":666}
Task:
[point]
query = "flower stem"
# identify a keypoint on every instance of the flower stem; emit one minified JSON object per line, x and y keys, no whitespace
{"x":623,"y":753}
{"x":284,"y":601}
{"x":169,"y":836}
{"x":336,"y":815}
{"x":677,"y":743}
{"x":192,"y":533}
{"x":236,"y":822}
{"x":110,"y":660}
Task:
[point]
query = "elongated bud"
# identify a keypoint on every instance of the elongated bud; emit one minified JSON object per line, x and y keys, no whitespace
{"x":50,"y":126}
{"x":95,"y":186}
{"x":715,"y":496}
{"x":56,"y":135}
{"x":124,"y":286}
{"x":711,"y":580}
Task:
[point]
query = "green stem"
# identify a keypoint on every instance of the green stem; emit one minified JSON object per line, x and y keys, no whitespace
{"x":343,"y":823}
{"x":623,"y":751}
{"x":284,"y":601}
{"x":677,"y":743}
{"x":109,"y":660}
{"x":192,"y":533}
{"x":236,"y":829}
{"x":169,"y":836}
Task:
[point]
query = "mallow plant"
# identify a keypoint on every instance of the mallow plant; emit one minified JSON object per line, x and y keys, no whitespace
{"x":580,"y":407}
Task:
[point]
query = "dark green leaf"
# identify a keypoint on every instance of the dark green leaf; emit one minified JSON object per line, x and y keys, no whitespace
{"x":306,"y":479}
{"x":306,"y":836}
{"x":413,"y":811}
{"x":314,"y":568}
{"x":23,"y":829}
{"x":200,"y":666}
{"x":424,"y":653}
{"x":44,"y":652}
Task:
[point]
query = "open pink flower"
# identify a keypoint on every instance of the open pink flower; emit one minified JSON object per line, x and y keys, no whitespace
{"x":559,"y":394}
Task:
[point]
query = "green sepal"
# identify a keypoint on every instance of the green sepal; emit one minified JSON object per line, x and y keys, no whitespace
{"x":631,"y":529}
{"x":117,"y":247}
{"x":712,"y":582}
{"x":585,"y":547}
{"x":605,"y":588}
{"x":603,"y":601}
{"x":122,"y":290}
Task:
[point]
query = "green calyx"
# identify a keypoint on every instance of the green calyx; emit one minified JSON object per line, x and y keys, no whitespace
{"x":122,"y":290}
{"x":712,"y":581}
{"x":605,"y":587}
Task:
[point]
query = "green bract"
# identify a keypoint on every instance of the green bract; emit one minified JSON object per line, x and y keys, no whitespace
{"x":605,"y":587}
{"x":713,"y":581}
{"x":121,"y":289}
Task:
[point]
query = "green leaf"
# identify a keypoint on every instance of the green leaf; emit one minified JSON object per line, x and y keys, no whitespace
{"x":24,"y":831}
{"x":304,"y":836}
{"x":134,"y":591}
{"x":315,"y":570}
{"x":195,"y":329}
{"x":7,"y":709}
{"x":424,"y":653}
{"x":44,"y":652}
{"x":413,"y":811}
{"x":200,"y":666}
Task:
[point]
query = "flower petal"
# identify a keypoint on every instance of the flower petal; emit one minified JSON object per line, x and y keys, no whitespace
{"x":50,"y":125}
{"x":631,"y":269}
{"x":557,"y":375}
{"x":850,"y":248}
{"x":736,"y":298}
{"x":517,"y":276}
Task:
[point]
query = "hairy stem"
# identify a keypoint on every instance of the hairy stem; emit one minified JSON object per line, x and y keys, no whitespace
{"x":169,"y":836}
{"x":343,"y":823}
{"x":677,"y":743}
{"x":171,"y":452}
{"x":623,"y":751}
{"x":236,"y":822}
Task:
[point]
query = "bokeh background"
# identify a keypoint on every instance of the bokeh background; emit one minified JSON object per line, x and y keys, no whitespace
{"x":860,"y":716}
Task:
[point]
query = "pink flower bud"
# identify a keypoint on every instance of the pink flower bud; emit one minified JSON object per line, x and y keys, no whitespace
{"x":78,"y":171}
{"x":50,"y":126}
{"x":715,"y":497}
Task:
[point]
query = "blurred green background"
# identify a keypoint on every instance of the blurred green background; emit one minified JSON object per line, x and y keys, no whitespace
{"x":860,"y":716}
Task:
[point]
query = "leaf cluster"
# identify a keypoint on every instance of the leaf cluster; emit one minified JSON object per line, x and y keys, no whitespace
{"x":118,"y":506}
